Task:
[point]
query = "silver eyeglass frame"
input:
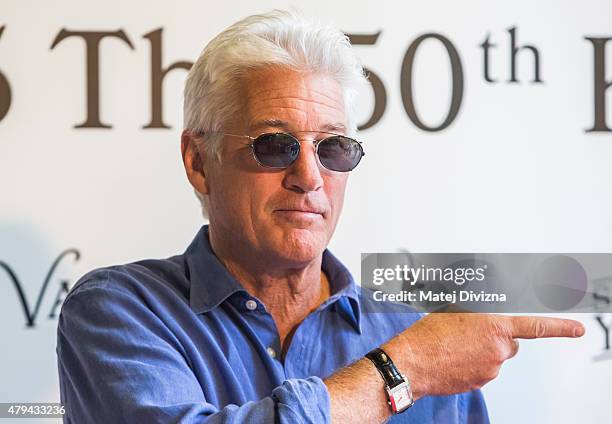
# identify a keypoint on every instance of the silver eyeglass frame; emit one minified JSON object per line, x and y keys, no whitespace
{"x":315,"y":142}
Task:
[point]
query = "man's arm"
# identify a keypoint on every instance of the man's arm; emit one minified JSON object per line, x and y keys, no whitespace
{"x":441,"y":354}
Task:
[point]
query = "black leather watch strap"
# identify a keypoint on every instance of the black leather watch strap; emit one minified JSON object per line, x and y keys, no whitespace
{"x":385,"y":367}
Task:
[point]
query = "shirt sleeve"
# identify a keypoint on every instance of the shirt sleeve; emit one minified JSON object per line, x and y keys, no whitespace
{"x":118,"y":363}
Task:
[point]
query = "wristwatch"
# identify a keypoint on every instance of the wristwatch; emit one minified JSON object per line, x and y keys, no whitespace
{"x":397,"y":385}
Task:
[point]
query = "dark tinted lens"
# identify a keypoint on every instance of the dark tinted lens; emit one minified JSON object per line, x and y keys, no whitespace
{"x":340,"y":153}
{"x":276,"y":150}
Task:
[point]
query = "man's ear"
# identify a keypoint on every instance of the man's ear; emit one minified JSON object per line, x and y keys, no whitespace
{"x":193,"y":161}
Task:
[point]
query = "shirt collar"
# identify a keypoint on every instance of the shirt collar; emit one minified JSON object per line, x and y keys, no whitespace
{"x":343,"y":290}
{"x":211,"y":282}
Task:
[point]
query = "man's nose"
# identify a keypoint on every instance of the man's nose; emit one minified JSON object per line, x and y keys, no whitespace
{"x":304,"y":175}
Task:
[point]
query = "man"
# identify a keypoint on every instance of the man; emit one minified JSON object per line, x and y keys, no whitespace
{"x":257,"y":322}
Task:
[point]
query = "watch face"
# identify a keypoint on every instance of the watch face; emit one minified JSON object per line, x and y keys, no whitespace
{"x":401,"y":398}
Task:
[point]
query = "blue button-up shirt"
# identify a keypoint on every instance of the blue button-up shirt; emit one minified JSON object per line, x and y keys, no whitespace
{"x":180,"y":340}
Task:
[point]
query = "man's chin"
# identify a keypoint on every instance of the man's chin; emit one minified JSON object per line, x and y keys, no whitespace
{"x":300,"y":245}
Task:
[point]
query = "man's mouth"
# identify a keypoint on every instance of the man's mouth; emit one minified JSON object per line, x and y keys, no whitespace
{"x":300,"y":213}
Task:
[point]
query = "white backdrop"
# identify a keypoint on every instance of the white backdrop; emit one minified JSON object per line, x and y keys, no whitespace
{"x":514,"y":172}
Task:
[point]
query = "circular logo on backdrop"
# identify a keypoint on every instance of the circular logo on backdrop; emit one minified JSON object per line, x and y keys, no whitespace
{"x":560,"y":282}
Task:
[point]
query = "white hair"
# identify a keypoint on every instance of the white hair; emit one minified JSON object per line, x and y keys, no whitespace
{"x":280,"y":38}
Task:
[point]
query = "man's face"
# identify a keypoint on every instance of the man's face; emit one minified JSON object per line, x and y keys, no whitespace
{"x":287,"y":214}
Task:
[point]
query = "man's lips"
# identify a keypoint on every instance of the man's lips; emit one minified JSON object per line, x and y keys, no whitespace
{"x":305,"y":212}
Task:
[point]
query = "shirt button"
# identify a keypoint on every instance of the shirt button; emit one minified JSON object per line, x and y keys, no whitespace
{"x":271,"y":352}
{"x":251,"y":305}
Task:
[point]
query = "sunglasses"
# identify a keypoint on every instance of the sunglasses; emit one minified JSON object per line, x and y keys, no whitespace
{"x":279,"y":150}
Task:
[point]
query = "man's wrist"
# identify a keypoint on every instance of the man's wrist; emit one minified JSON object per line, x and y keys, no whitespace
{"x":407,"y":364}
{"x":397,"y":386}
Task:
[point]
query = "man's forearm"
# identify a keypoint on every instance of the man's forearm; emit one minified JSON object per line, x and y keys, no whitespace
{"x":358,"y":394}
{"x":441,"y":354}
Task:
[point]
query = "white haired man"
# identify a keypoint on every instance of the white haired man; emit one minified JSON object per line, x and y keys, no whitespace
{"x":257,"y":321}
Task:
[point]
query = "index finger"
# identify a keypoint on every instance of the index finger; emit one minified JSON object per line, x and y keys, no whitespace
{"x":530,"y":327}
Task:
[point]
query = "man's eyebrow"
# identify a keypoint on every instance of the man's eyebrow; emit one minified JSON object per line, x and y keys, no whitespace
{"x":285,"y":126}
{"x":338,"y":127}
{"x":273,"y":123}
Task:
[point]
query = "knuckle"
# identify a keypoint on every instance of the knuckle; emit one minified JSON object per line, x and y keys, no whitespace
{"x":492,"y":375}
{"x":499,"y":357}
{"x":495,"y":357}
{"x":514,"y":348}
{"x":539,"y":328}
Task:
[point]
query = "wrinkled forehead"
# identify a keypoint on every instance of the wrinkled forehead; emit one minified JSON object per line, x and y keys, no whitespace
{"x":292,"y":101}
